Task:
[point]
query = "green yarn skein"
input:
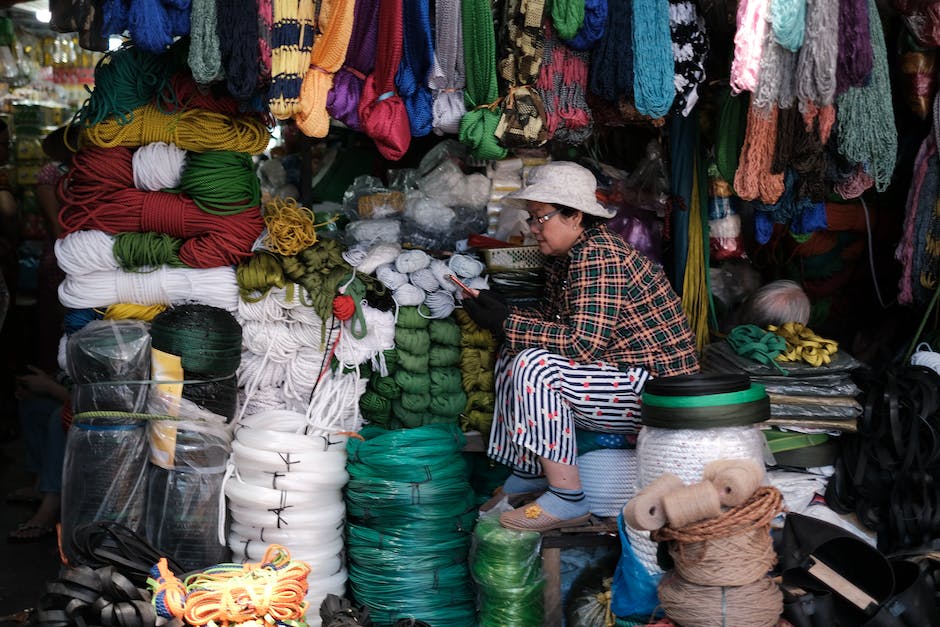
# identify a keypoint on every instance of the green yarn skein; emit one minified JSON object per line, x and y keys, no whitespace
{"x":413,"y":382}
{"x":442,"y":356}
{"x":444,"y":331}
{"x":415,"y":341}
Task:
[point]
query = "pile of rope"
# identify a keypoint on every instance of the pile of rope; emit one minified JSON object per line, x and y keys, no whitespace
{"x":284,"y":483}
{"x":718,"y":535}
{"x":804,"y":345}
{"x":477,"y":360}
{"x":271,"y":589}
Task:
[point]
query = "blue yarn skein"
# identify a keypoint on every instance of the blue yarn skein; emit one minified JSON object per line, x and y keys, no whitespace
{"x":412,"y":76}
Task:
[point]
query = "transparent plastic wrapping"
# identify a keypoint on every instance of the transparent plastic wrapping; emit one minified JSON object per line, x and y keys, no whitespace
{"x":104,"y":476}
{"x":101,"y":357}
{"x":188,"y":458}
{"x":685,"y":452}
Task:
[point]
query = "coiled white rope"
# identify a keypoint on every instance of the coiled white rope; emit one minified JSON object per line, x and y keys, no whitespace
{"x":377,"y":255}
{"x":334,"y":407}
{"x":410,"y":260}
{"x":380,"y":337}
{"x":925,"y":356}
{"x":158,"y":166}
{"x":424,"y":279}
{"x":440,"y":303}
{"x":465,"y":266}
{"x":163,"y":286}
{"x":441,"y":272}
{"x":408,"y":295}
{"x":82,"y":252}
{"x":390,"y":277}
{"x":383,"y":230}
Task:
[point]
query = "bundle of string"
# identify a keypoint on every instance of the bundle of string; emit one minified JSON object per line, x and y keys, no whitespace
{"x":505,"y":567}
{"x":234,"y":593}
{"x":748,"y":44}
{"x":143,"y":251}
{"x":342,"y":102}
{"x":856,"y":57}
{"x":592,"y":28}
{"x":611,"y":73}
{"x":257,"y":275}
{"x":191,"y":129}
{"x":775,"y":82}
{"x":447,"y":79}
{"x":753,"y":177}
{"x":133,"y":311}
{"x":867,"y":132}
{"x":653,"y":87}
{"x":98,"y":193}
{"x":927,"y":357}
{"x":182,"y":91}
{"x":291,"y":40}
{"x":721,"y":566}
{"x":152,"y":24}
{"x":695,"y":296}
{"x":412,"y":76}
{"x":787,"y":19}
{"x":478,"y":126}
{"x":237,"y":24}
{"x":319,"y":269}
{"x":562,"y":78}
{"x":205,"y":56}
{"x":334,"y":25}
{"x":477,"y":359}
{"x":804,"y":345}
{"x":816,"y":65}
{"x":158,"y":166}
{"x":265,"y":21}
{"x":221,"y":182}
{"x":290,"y":227}
{"x":756,"y":344}
{"x":160,"y":286}
{"x":382,"y":113}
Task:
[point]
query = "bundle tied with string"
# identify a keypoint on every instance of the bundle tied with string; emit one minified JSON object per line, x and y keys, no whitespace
{"x":611,"y":75}
{"x":478,"y":126}
{"x":342,"y":101}
{"x":721,"y":566}
{"x":237,"y":33}
{"x":334,"y":25}
{"x":206,"y":344}
{"x":382,"y":112}
{"x":477,"y":360}
{"x":413,"y":73}
{"x":190,"y":129}
{"x":447,"y":79}
{"x":205,"y":56}
{"x":152,"y":24}
{"x":98,"y":193}
{"x":522,"y":121}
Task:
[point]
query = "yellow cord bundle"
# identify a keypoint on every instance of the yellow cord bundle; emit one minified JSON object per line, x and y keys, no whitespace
{"x":289,"y":60}
{"x":329,"y":51}
{"x":196,"y":130}
{"x":804,"y":345}
{"x":131,"y":311}
{"x":694,"y":282}
{"x":291,"y":227}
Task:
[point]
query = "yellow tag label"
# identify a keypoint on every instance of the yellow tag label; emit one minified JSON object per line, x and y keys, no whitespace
{"x":167,"y":370}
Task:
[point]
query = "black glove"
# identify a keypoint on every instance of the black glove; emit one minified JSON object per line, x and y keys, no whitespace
{"x":487,"y":311}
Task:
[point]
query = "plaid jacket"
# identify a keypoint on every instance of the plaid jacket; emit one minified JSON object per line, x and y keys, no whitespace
{"x":605,"y":301}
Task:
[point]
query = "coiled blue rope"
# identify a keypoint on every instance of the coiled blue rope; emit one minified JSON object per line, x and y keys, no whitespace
{"x":412,"y":76}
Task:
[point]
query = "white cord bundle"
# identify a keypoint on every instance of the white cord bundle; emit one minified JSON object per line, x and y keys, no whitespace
{"x":381,"y":337}
{"x":440,"y":303}
{"x":429,"y":213}
{"x":465,"y":266}
{"x":158,"y":166}
{"x":367,"y":259}
{"x":925,"y":356}
{"x":382,"y":230}
{"x":424,"y":279}
{"x":335,"y":404}
{"x":163,"y":286}
{"x":408,"y":295}
{"x":441,"y":272}
{"x":411,"y":260}
{"x":82,"y":252}
{"x":390,"y":277}
{"x":285,"y":486}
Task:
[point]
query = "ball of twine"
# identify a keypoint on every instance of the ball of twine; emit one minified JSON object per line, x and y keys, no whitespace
{"x":758,"y":604}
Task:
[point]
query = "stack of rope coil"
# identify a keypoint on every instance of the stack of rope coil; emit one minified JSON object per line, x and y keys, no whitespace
{"x":718,"y":535}
{"x":284,"y":485}
{"x":411,"y":512}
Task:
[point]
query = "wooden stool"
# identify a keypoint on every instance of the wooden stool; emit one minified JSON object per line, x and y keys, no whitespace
{"x":598,"y":532}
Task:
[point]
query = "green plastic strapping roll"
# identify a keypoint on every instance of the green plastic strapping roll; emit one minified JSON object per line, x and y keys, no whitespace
{"x":506,"y":567}
{"x":753,"y":393}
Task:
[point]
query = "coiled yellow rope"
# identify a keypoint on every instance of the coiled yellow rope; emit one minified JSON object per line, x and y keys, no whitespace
{"x":196,"y":130}
{"x":804,"y":345}
{"x":290,"y":227}
{"x":132,"y":311}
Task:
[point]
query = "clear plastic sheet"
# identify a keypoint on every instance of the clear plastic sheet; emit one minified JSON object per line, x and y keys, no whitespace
{"x":101,"y":357}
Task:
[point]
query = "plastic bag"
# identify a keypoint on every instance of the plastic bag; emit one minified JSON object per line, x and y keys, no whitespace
{"x":109,"y":361}
{"x":633,"y":590}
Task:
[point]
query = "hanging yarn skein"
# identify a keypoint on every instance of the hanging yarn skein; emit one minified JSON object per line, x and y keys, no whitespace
{"x":653,"y":88}
{"x":787,"y":21}
{"x":103,"y":179}
{"x":205,"y":56}
{"x":478,"y":126}
{"x":334,"y":25}
{"x":415,"y":68}
{"x":343,"y":100}
{"x":751,"y":22}
{"x":382,"y":113}
{"x":592,"y":28}
{"x":447,"y":79}
{"x":856,"y":57}
{"x":612,"y":60}
{"x":237,"y":23}
{"x":291,"y":40}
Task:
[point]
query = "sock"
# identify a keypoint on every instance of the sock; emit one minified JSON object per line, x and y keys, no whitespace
{"x":563,"y":504}
{"x":519,"y":482}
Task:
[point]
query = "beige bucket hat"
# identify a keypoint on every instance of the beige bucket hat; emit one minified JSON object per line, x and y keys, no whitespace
{"x":561,"y":183}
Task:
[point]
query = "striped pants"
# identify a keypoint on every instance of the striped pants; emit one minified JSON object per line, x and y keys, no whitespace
{"x":541,"y":398}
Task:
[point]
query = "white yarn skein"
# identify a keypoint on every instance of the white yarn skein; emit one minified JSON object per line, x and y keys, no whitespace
{"x":384,"y":230}
{"x":164,"y":286}
{"x":82,"y":252}
{"x":925,"y":356}
{"x":441,"y":272}
{"x":390,"y":277}
{"x":354,"y":255}
{"x":379,"y":255}
{"x":380,"y":337}
{"x":158,"y":166}
{"x":409,"y":296}
{"x":263,"y":399}
{"x":424,"y":279}
{"x":410,"y":260}
{"x":465,"y":266}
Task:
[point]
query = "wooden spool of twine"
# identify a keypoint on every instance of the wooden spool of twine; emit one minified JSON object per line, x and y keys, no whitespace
{"x":691,"y":504}
{"x":735,"y":479}
{"x":733,"y":549}
{"x":757,"y":604}
{"x":645,"y":510}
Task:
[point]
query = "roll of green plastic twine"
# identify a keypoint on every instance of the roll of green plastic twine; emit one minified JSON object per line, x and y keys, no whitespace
{"x":385,"y":387}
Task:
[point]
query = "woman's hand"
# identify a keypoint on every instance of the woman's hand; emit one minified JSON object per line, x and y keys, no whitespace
{"x":487,"y":311}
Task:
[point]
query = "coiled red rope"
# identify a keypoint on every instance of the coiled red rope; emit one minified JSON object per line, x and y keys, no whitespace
{"x":99,"y":193}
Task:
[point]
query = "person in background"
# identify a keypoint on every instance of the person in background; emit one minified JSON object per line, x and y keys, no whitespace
{"x":41,"y":399}
{"x":609,"y":320}
{"x":9,"y":268}
{"x":776,"y":303}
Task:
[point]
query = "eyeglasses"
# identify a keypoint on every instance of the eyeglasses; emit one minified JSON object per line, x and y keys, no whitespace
{"x":538,"y":221}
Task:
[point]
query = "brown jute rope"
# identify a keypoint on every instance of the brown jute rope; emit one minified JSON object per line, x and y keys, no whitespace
{"x":758,"y":604}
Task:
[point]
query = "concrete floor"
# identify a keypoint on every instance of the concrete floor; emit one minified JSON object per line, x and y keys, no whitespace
{"x":24,"y":568}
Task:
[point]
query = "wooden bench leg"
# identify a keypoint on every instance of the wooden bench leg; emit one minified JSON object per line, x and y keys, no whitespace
{"x":551,"y":571}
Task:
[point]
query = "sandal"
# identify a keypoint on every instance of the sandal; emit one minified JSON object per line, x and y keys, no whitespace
{"x":534,"y":518}
{"x":28,"y":532}
{"x":514,"y":499}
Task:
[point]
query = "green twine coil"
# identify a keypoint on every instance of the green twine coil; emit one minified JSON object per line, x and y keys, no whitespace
{"x":395,"y":540}
{"x":414,"y":341}
{"x":412,"y":363}
{"x":375,"y":492}
{"x":391,"y":360}
{"x":410,"y":318}
{"x":481,"y":400}
{"x":406,"y":512}
{"x":415,"y":402}
{"x":476,"y":359}
{"x":320,"y":270}
{"x":433,"y":527}
{"x":476,"y":420}
{"x":221,"y":182}
{"x":257,"y":275}
{"x":385,"y":387}
{"x":444,"y":331}
{"x":757,"y":344}
{"x":505,"y":565}
{"x":134,"y":251}
{"x":373,"y":404}
{"x":404,"y":449}
{"x":441,"y":356}
{"x":207,"y":339}
{"x":448,"y":405}
{"x":412,"y":382}
{"x":445,"y":380}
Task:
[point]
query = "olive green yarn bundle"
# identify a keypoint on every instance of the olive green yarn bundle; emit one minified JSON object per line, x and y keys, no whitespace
{"x":476,"y":362}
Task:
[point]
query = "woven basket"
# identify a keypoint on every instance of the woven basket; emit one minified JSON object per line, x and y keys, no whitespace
{"x":513,"y":258}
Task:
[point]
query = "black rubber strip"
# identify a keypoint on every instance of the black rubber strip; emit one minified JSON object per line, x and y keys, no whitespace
{"x":738,"y":415}
{"x":698,"y":384}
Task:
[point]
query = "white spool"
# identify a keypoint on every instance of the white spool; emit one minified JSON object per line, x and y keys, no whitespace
{"x":287,"y":537}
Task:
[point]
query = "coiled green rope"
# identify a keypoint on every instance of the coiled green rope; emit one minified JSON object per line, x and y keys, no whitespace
{"x":136,"y":251}
{"x":757,"y":344}
{"x":221,"y":182}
